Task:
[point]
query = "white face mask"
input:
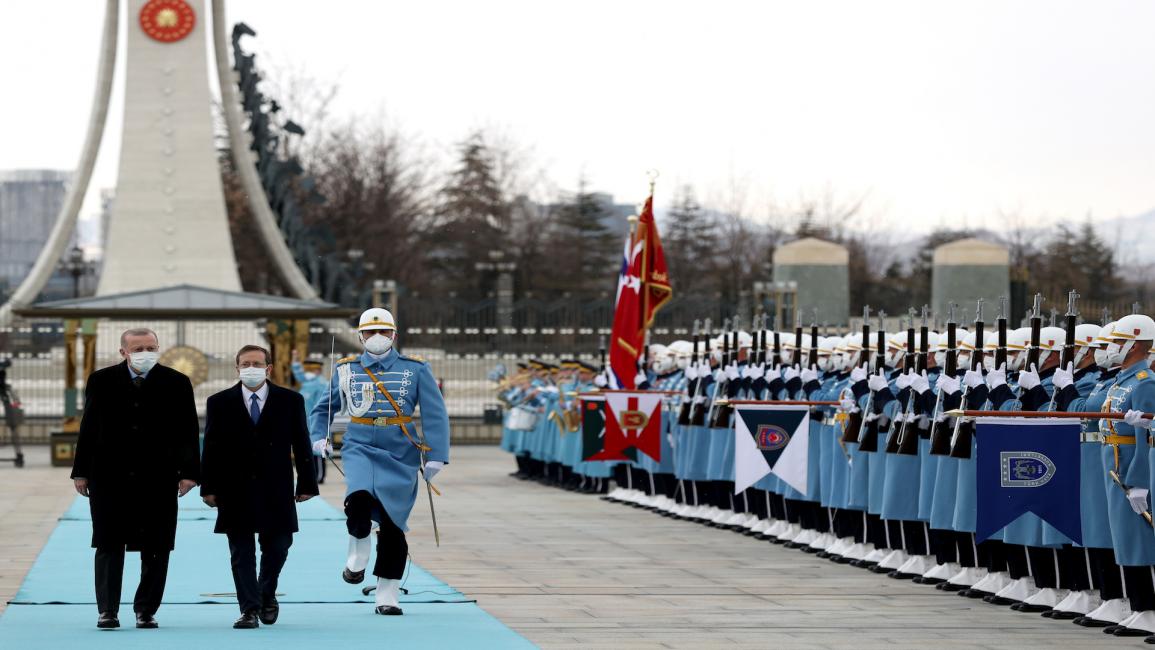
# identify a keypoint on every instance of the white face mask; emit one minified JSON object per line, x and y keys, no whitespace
{"x":253,"y":377}
{"x":310,"y":376}
{"x":824,"y":363}
{"x":1117,"y":352}
{"x":1101,"y":359}
{"x":964,"y":360}
{"x":142,"y":362}
{"x":378,"y":344}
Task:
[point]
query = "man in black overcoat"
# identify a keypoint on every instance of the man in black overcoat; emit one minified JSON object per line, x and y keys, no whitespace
{"x":138,"y":450}
{"x":254,"y":434}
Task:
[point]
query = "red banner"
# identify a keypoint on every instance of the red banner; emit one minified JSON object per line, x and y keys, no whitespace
{"x":643,"y":288}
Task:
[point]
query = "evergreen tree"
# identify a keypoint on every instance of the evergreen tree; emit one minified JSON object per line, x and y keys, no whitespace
{"x":584,"y":252}
{"x":690,"y":241}
{"x":474,"y":216}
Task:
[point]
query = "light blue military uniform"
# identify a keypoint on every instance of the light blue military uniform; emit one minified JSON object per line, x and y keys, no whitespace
{"x":1130,"y":535}
{"x":311,"y":389}
{"x":1092,"y":389}
{"x":381,"y":459}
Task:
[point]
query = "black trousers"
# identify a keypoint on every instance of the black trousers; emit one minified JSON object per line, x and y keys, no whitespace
{"x":392,"y":548}
{"x":110,"y":575}
{"x":253,"y":590}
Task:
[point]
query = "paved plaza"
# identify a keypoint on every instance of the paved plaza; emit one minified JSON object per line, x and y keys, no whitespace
{"x":569,"y":570}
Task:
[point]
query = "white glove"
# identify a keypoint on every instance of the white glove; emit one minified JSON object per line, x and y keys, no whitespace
{"x":432,"y":467}
{"x":1064,"y":376}
{"x":600,"y":381}
{"x":732,"y":372}
{"x":903,"y":381}
{"x":920,"y":383}
{"x":940,"y":416}
{"x":323,"y":448}
{"x":790,"y":372}
{"x":691,"y":372}
{"x":997,"y":377}
{"x":877,"y":382}
{"x":858,"y":374}
{"x":870,"y":417}
{"x":1137,"y":497}
{"x":808,"y":375}
{"x":640,"y":379}
{"x":758,"y":371}
{"x":948,"y":385}
{"x":973,"y":379}
{"x":848,"y":405}
{"x":670,"y":439}
{"x":1136,"y":419}
{"x":1028,"y":379}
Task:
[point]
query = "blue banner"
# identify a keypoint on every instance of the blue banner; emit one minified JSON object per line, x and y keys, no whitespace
{"x":1028,"y":466}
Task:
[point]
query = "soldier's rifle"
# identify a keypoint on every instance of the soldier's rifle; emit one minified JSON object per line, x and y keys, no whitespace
{"x":1068,"y":356}
{"x":908,"y":435}
{"x":868,"y":438}
{"x":853,"y":429}
{"x":1036,"y":334}
{"x":722,"y":412}
{"x":908,"y":363}
{"x":698,"y":405}
{"x":723,"y":381}
{"x":939,"y":443}
{"x":964,"y":430}
{"x":976,"y":364}
{"x":692,"y":385}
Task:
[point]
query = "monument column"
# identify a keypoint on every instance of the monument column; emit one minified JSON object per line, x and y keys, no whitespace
{"x":168,"y":224}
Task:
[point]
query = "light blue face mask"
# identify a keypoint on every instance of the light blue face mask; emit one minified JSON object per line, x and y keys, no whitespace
{"x":252,"y":377}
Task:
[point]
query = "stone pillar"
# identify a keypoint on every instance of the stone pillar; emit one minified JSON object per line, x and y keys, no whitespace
{"x":966,"y":270}
{"x":168,"y":224}
{"x":820,"y":271}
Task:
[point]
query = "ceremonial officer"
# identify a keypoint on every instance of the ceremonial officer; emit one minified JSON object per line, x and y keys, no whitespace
{"x":382,"y":450}
{"x":1125,"y":461}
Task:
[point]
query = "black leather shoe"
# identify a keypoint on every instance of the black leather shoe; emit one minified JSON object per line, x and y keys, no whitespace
{"x":107,"y":621}
{"x":1062,"y":616}
{"x":388,"y":610}
{"x":353,"y":577}
{"x":998,"y":600}
{"x":949,"y":586}
{"x":1130,"y":631}
{"x":1032,"y":609}
{"x":269,"y":611}
{"x":247,"y":621}
{"x":145,"y":621}
{"x":1087,"y":621}
{"x":1150,"y":639}
{"x":1111,"y":629}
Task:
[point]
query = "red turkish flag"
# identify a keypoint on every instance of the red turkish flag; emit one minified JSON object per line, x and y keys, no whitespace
{"x":643,"y":288}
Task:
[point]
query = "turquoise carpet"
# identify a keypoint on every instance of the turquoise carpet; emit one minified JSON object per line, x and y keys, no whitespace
{"x":55,"y":606}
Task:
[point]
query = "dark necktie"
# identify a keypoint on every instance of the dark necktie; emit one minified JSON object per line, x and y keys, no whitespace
{"x":254,"y":409}
{"x":138,"y":381}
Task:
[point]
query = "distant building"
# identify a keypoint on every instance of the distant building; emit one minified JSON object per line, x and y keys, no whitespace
{"x":30,"y":200}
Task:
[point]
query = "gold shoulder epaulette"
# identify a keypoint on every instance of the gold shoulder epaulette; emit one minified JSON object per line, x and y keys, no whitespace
{"x":347,"y":359}
{"x":1142,"y":374}
{"x":413,"y":357}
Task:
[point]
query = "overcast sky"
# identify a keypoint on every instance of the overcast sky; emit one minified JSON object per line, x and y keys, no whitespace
{"x":939,"y":112}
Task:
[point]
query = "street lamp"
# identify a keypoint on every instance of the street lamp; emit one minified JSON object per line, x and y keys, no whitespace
{"x":75,"y":266}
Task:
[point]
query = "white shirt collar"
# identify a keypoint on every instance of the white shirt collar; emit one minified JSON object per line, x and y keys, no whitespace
{"x":262,"y":393}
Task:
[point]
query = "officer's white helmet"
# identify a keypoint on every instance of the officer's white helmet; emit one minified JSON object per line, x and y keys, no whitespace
{"x":681,"y":351}
{"x":786,"y":346}
{"x":1018,"y":342}
{"x":745,"y":340}
{"x":941,"y":346}
{"x":1085,"y":336}
{"x":895,"y":349}
{"x":376,"y":318}
{"x":1051,"y":342}
{"x":1123,"y":335}
{"x":966,"y":349}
